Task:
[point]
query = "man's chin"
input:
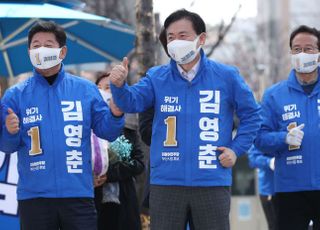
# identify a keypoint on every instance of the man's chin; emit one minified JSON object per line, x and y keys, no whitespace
{"x":50,"y":71}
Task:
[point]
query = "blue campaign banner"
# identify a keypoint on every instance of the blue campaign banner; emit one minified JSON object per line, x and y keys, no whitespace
{"x":8,"y":196}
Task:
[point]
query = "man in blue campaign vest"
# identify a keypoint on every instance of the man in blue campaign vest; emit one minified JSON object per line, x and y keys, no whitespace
{"x":48,"y":120}
{"x":192,"y":150}
{"x":291,"y":130}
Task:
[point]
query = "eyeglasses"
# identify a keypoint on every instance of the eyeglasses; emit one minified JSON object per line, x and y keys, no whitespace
{"x":308,"y":50}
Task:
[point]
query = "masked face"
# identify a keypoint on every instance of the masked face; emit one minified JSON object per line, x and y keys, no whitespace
{"x":183,"y":51}
{"x":304,"y":62}
{"x":105,"y":95}
{"x":45,"y":58}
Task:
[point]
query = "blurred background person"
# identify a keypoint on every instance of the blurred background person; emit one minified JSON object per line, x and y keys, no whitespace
{"x":264,"y":163}
{"x":145,"y":129}
{"x":115,"y":192}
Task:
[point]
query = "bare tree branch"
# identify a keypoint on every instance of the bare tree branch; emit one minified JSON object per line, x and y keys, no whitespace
{"x":222,"y":31}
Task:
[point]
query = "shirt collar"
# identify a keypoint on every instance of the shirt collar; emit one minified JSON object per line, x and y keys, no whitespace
{"x":192,"y":73}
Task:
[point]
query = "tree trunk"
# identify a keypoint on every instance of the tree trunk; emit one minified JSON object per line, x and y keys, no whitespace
{"x":146,"y":55}
{"x":146,"y":42}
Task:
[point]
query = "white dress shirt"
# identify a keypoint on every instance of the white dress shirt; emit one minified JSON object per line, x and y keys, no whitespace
{"x":192,"y":73}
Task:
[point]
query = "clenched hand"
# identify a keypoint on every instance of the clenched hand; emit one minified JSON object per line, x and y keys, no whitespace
{"x":12,"y":122}
{"x":227,"y":157}
{"x":119,"y":73}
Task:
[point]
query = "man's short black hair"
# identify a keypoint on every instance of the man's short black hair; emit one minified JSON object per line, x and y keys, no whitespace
{"x":197,"y":23}
{"x":48,"y":27}
{"x":305,"y":29}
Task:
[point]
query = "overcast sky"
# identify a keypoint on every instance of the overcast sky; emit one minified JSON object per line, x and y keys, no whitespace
{"x":212,"y":11}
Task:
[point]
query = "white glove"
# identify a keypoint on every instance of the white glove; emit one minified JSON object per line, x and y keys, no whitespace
{"x":271,"y":164}
{"x":295,"y":136}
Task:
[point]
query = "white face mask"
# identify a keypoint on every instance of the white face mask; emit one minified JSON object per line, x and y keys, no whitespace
{"x":304,"y":63}
{"x":183,"y":51}
{"x":105,"y":95}
{"x":45,"y":58}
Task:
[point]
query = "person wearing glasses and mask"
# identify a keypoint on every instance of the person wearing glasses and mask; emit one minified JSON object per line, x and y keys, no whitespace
{"x":192,"y":149}
{"x":48,"y":120}
{"x":291,"y":129}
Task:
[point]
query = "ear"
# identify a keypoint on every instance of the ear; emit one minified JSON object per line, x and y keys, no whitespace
{"x":63,"y":52}
{"x":202,"y":38}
